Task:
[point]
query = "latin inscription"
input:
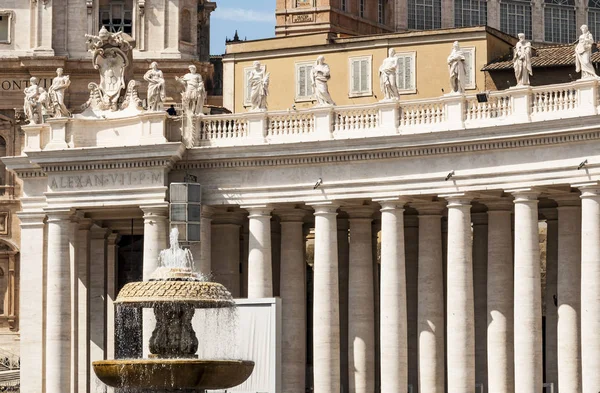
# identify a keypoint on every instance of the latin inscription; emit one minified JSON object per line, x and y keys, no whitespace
{"x":111,"y":180}
{"x":21,"y":84}
{"x":302,"y":18}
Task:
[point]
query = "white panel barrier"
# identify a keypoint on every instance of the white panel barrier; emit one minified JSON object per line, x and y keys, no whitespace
{"x":252,"y":332}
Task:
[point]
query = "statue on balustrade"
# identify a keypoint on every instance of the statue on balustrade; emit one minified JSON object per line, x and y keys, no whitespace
{"x":457,"y":69}
{"x":258,"y":85}
{"x":194,"y":96}
{"x":57,"y":94}
{"x":387,"y":77}
{"x":319,"y":76}
{"x":522,"y":61}
{"x":156,"y":87}
{"x":583,"y":54}
{"x":36,"y":101}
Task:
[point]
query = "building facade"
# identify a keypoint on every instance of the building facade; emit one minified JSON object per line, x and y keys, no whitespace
{"x":421,"y":72}
{"x":553,"y":21}
{"x":36,"y":38}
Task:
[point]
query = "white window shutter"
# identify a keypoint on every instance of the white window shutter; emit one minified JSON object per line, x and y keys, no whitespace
{"x":364,"y":76}
{"x":247,"y":72}
{"x":309,"y":88}
{"x":400,"y":68}
{"x":301,"y":82}
{"x":469,"y":66}
{"x":409,"y":73}
{"x":355,"y":76}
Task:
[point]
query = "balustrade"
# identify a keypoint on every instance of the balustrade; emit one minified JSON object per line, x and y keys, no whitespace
{"x":355,"y":119}
{"x":421,"y":114}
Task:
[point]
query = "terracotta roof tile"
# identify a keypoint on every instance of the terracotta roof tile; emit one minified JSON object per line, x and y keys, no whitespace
{"x":546,"y":56}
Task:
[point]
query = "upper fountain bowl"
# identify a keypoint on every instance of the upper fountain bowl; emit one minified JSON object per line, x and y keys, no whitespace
{"x":199,"y":294}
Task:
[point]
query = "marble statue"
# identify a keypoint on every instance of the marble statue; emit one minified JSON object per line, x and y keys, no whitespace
{"x":36,"y":100}
{"x":583,"y":54}
{"x":194,"y":95}
{"x":457,"y":69}
{"x":156,"y":87}
{"x":319,"y":76}
{"x":111,"y":56}
{"x":258,"y":84}
{"x":56,"y":93}
{"x":387,"y":76}
{"x":522,"y":61}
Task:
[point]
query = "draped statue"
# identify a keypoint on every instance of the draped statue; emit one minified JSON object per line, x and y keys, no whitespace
{"x":156,"y":87}
{"x":57,"y":94}
{"x":194,"y":95}
{"x":319,"y":76}
{"x":258,"y":84}
{"x":522,"y":61}
{"x":387,"y":76}
{"x":457,"y":69}
{"x":583,"y":54}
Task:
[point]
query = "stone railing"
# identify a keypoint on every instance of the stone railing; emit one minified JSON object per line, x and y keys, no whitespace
{"x":449,"y":112}
{"x":517,"y":105}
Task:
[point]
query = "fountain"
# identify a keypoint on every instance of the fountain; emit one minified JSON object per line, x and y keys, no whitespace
{"x":174,"y":292}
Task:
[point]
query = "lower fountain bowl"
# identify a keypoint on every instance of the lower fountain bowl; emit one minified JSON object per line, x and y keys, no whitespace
{"x":166,"y":374}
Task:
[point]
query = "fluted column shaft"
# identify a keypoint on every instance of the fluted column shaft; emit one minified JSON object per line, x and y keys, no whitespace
{"x":293,"y":295}
{"x":460,"y":312}
{"x":590,"y":288}
{"x":500,"y":298}
{"x":569,"y":295}
{"x":326,"y":323}
{"x":58,"y":303}
{"x":393,"y":336}
{"x":260,"y":273}
{"x":361,"y":316}
{"x":430,"y":325}
{"x":528,"y":306}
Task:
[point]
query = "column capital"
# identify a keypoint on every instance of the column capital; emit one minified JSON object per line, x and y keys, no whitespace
{"x":362,"y":212}
{"x":291,"y":214}
{"x":113,"y":238}
{"x":155,"y":211}
{"x":207,"y":212}
{"x":32,"y":219}
{"x":228,"y":218}
{"x":524,"y":195}
{"x":255,"y":211}
{"x":591,"y":186}
{"x":85,"y":224}
{"x":97,"y":232}
{"x":324,"y":208}
{"x":550,"y":213}
{"x":479,"y":218}
{"x":458,"y":199}
{"x":564,"y":200}
{"x":395,"y":203}
{"x":429,"y":208}
{"x":498,"y":204}
{"x":55,"y":214}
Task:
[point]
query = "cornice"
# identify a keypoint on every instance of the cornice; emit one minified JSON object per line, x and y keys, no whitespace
{"x":373,"y":153}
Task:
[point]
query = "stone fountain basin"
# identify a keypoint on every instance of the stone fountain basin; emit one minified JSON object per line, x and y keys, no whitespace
{"x":157,"y":374}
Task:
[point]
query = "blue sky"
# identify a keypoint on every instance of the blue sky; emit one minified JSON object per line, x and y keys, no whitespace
{"x":253,"y":19}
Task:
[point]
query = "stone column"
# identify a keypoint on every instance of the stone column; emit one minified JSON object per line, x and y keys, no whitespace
{"x":293,"y":295}
{"x":225,"y":250}
{"x":58,"y":303}
{"x":361,"y":316}
{"x":111,"y":291}
{"x":590,"y":288}
{"x":260,"y":273}
{"x":411,"y":251}
{"x":500,"y":297}
{"x":155,"y":240}
{"x":394,"y":356}
{"x":31,"y":300}
{"x":326,"y":323}
{"x":431,"y":298}
{"x":201,"y":251}
{"x":550,"y":340}
{"x":460,"y":319}
{"x":569,"y":294}
{"x":343,"y":270}
{"x":480,"y":242}
{"x":244,"y":237}
{"x":528,"y":306}
{"x":82,"y":257}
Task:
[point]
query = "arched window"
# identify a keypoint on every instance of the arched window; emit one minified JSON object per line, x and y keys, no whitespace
{"x":594,"y":17}
{"x":515,"y":17}
{"x":470,"y":13}
{"x":559,"y":21}
{"x":186,"y":26}
{"x":116,"y":15}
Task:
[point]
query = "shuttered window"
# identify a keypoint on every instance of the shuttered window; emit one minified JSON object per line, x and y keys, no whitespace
{"x":469,"y":67}
{"x":360,"y":76}
{"x":405,"y":72}
{"x":304,"y":90}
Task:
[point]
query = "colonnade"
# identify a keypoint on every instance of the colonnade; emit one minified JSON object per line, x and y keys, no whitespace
{"x":479,"y":300}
